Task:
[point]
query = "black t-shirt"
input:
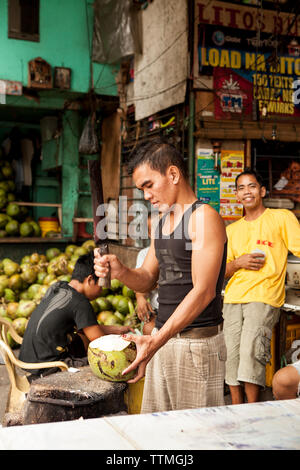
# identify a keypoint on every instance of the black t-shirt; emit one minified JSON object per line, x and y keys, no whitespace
{"x":61,"y":310}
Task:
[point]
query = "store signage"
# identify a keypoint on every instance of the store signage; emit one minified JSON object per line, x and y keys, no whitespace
{"x":212,"y":57}
{"x":208,"y":178}
{"x":251,"y":68}
{"x":232,"y":164}
{"x":216,"y":184}
{"x":234,"y":93}
{"x":245,"y":17}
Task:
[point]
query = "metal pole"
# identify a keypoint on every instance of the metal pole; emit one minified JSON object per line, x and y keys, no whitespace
{"x":191,"y":149}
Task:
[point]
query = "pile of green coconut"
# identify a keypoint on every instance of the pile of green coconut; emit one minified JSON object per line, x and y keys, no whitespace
{"x":23,"y":285}
{"x":14,"y":219}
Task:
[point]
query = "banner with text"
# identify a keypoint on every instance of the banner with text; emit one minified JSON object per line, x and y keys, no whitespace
{"x":247,"y":63}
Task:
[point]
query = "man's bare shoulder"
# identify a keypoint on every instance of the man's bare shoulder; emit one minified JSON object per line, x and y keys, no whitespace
{"x":209,"y":220}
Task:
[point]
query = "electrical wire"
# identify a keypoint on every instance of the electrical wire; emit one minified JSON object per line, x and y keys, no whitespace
{"x":257,"y":63}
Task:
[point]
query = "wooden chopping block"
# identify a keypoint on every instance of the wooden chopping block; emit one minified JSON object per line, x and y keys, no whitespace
{"x":66,"y":396}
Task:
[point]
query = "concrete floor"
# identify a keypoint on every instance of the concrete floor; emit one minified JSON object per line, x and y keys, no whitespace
{"x":265,"y":395}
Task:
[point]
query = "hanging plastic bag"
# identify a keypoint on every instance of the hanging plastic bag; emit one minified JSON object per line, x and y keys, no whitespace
{"x":88,"y":143}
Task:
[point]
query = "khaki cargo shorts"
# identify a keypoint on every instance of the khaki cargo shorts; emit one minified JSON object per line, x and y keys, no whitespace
{"x":248,"y":332}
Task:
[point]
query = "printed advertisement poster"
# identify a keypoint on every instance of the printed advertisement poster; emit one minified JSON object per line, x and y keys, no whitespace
{"x":232,"y":163}
{"x":234,"y":93}
{"x":208,"y":178}
{"x":248,"y":67}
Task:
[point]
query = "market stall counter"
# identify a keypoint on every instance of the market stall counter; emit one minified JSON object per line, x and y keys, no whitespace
{"x":257,"y":426}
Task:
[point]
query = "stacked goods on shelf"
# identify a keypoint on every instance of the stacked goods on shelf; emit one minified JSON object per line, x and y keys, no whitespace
{"x":14,"y":219}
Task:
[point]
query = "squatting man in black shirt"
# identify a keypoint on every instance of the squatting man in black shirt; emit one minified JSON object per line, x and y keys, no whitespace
{"x":65,"y":308}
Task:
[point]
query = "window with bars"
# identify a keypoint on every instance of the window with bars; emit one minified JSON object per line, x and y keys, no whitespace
{"x":24,"y":19}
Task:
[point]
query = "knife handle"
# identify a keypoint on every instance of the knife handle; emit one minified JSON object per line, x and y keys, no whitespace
{"x":104,"y":281}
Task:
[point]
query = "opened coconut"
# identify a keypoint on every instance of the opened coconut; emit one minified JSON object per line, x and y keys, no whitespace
{"x":109,"y":355}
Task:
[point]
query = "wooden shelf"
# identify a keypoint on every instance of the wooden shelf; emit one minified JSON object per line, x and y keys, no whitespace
{"x":32,"y":240}
{"x":42,"y":204}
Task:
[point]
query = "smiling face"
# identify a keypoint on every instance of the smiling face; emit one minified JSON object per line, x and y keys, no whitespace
{"x":160,"y":190}
{"x":249,"y":192}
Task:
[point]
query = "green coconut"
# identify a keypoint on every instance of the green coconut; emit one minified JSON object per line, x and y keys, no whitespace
{"x":112,"y":320}
{"x":115,"y":300}
{"x":41,"y":276}
{"x":34,"y":258}
{"x":12,"y":227}
{"x":80,"y":251}
{"x":122,"y":306}
{"x":40,"y":294}
{"x":11,"y":310}
{"x":15,"y":282}
{"x":10,"y":295}
{"x":36,"y":228}
{"x":116,"y":285}
{"x":103,"y":304}
{"x":89,"y":245}
{"x":104,"y":316}
{"x":33,"y":291}
{"x":29,"y":274}
{"x":70,"y":250}
{"x":3,"y":308}
{"x":3,"y":220}
{"x":13,"y":209}
{"x":109,"y":355}
{"x":52,"y":253}
{"x":19,"y":325}
{"x":128,"y":292}
{"x":25,"y":308}
{"x":4,"y":281}
{"x":26,"y":230}
{"x":10,"y":267}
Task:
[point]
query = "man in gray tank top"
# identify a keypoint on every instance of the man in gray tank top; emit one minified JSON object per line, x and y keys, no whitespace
{"x":183,"y":360}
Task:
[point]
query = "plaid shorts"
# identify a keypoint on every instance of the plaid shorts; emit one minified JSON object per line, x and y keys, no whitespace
{"x":186,"y":373}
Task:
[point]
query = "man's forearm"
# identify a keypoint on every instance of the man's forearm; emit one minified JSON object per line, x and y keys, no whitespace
{"x":137,"y":279}
{"x":231,"y":268}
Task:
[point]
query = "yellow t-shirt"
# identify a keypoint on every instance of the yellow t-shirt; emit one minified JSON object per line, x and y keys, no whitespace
{"x":275,"y":232}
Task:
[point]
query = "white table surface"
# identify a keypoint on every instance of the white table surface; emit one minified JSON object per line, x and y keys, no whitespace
{"x":265,"y":425}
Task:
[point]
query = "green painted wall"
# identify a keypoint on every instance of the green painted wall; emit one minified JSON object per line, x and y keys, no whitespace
{"x":66,"y":29}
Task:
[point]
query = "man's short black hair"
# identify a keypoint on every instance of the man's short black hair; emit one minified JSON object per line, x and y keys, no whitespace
{"x":254,"y":173}
{"x":159,"y":154}
{"x":84,"y":267}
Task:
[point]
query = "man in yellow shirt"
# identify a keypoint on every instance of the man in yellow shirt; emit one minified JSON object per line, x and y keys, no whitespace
{"x":258,"y":246}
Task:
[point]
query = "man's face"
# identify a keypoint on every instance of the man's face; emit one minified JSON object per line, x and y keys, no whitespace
{"x":249,"y":192}
{"x":158,"y":189}
{"x":91,"y":288}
